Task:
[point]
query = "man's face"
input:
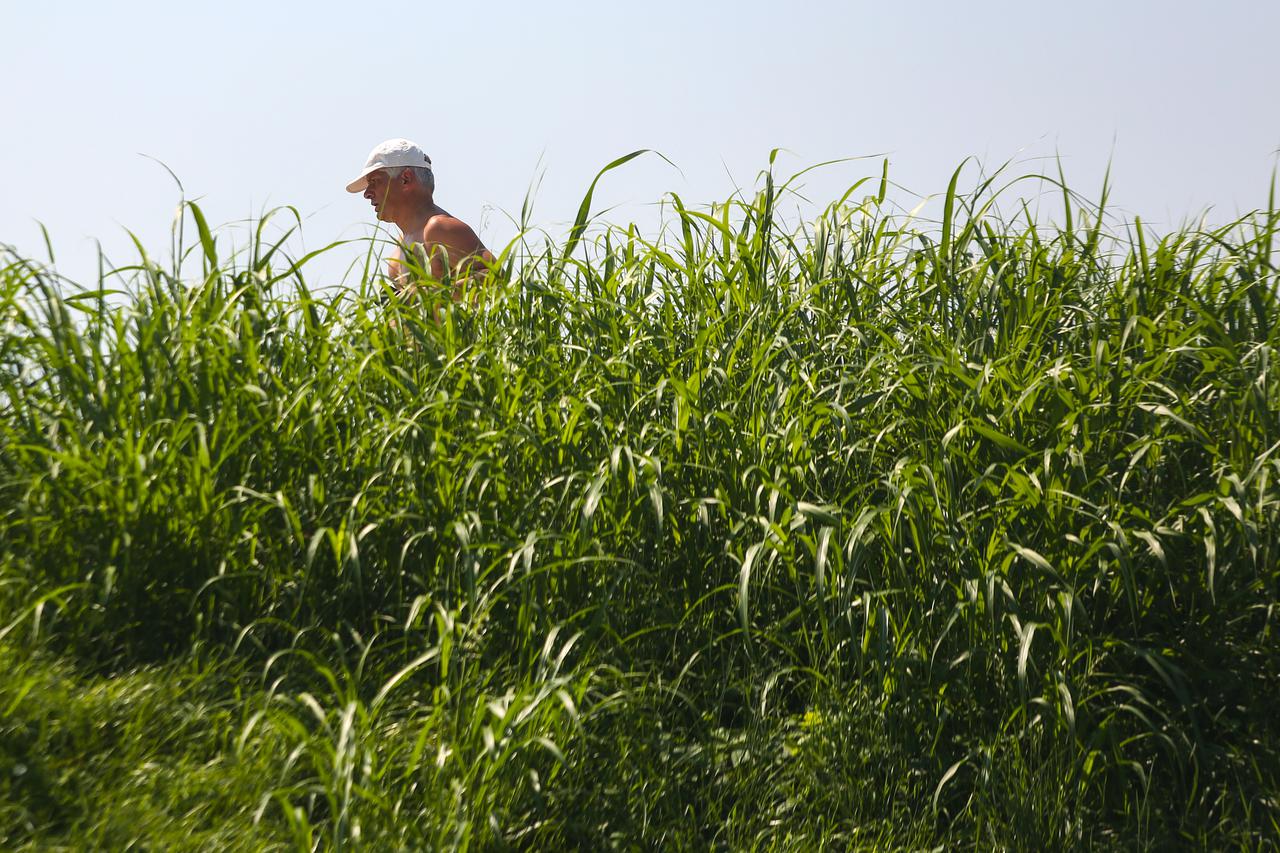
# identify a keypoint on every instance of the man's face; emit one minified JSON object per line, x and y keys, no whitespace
{"x":378,"y":193}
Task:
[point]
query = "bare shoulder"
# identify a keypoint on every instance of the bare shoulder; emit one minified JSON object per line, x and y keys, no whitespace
{"x":450,"y":241}
{"x":452,"y":232}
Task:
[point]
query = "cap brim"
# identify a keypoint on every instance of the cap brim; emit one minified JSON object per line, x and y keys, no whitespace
{"x":361,"y":182}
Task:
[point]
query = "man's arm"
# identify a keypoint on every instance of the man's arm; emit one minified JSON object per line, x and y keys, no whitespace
{"x":394,"y":268}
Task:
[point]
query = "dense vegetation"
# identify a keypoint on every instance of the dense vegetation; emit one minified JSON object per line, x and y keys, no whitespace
{"x":867,"y":533}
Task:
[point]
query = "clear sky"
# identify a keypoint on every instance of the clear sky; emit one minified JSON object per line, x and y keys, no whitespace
{"x":257,"y":104}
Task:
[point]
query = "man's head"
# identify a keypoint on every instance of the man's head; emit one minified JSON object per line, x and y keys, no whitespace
{"x":396,"y":175}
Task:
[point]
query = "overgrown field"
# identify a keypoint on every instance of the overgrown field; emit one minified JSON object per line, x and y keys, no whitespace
{"x":870,"y":533}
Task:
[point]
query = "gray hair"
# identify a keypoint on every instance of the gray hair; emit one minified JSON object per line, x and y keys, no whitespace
{"x":422,"y":174}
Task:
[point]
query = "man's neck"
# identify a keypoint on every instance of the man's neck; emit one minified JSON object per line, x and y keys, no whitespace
{"x":412,"y":223}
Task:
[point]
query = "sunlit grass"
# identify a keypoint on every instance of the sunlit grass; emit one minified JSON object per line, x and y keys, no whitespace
{"x":861,"y":532}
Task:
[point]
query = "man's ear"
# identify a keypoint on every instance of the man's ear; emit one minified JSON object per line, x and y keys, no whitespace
{"x":406,"y":176}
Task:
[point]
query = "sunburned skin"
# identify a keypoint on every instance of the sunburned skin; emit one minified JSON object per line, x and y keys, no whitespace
{"x":446,"y":240}
{"x":440,"y":238}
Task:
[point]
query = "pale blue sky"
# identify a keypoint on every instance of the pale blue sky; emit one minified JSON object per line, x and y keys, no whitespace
{"x":260,"y":104}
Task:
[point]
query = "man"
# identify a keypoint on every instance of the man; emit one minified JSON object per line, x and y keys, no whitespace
{"x":398,"y":181}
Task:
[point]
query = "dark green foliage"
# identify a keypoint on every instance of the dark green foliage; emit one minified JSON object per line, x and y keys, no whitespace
{"x":862,"y":534}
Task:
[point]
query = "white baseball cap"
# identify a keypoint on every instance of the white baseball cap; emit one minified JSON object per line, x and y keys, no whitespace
{"x":392,"y":154}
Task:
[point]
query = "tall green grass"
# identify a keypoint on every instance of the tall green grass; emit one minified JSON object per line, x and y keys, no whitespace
{"x":861,"y":532}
